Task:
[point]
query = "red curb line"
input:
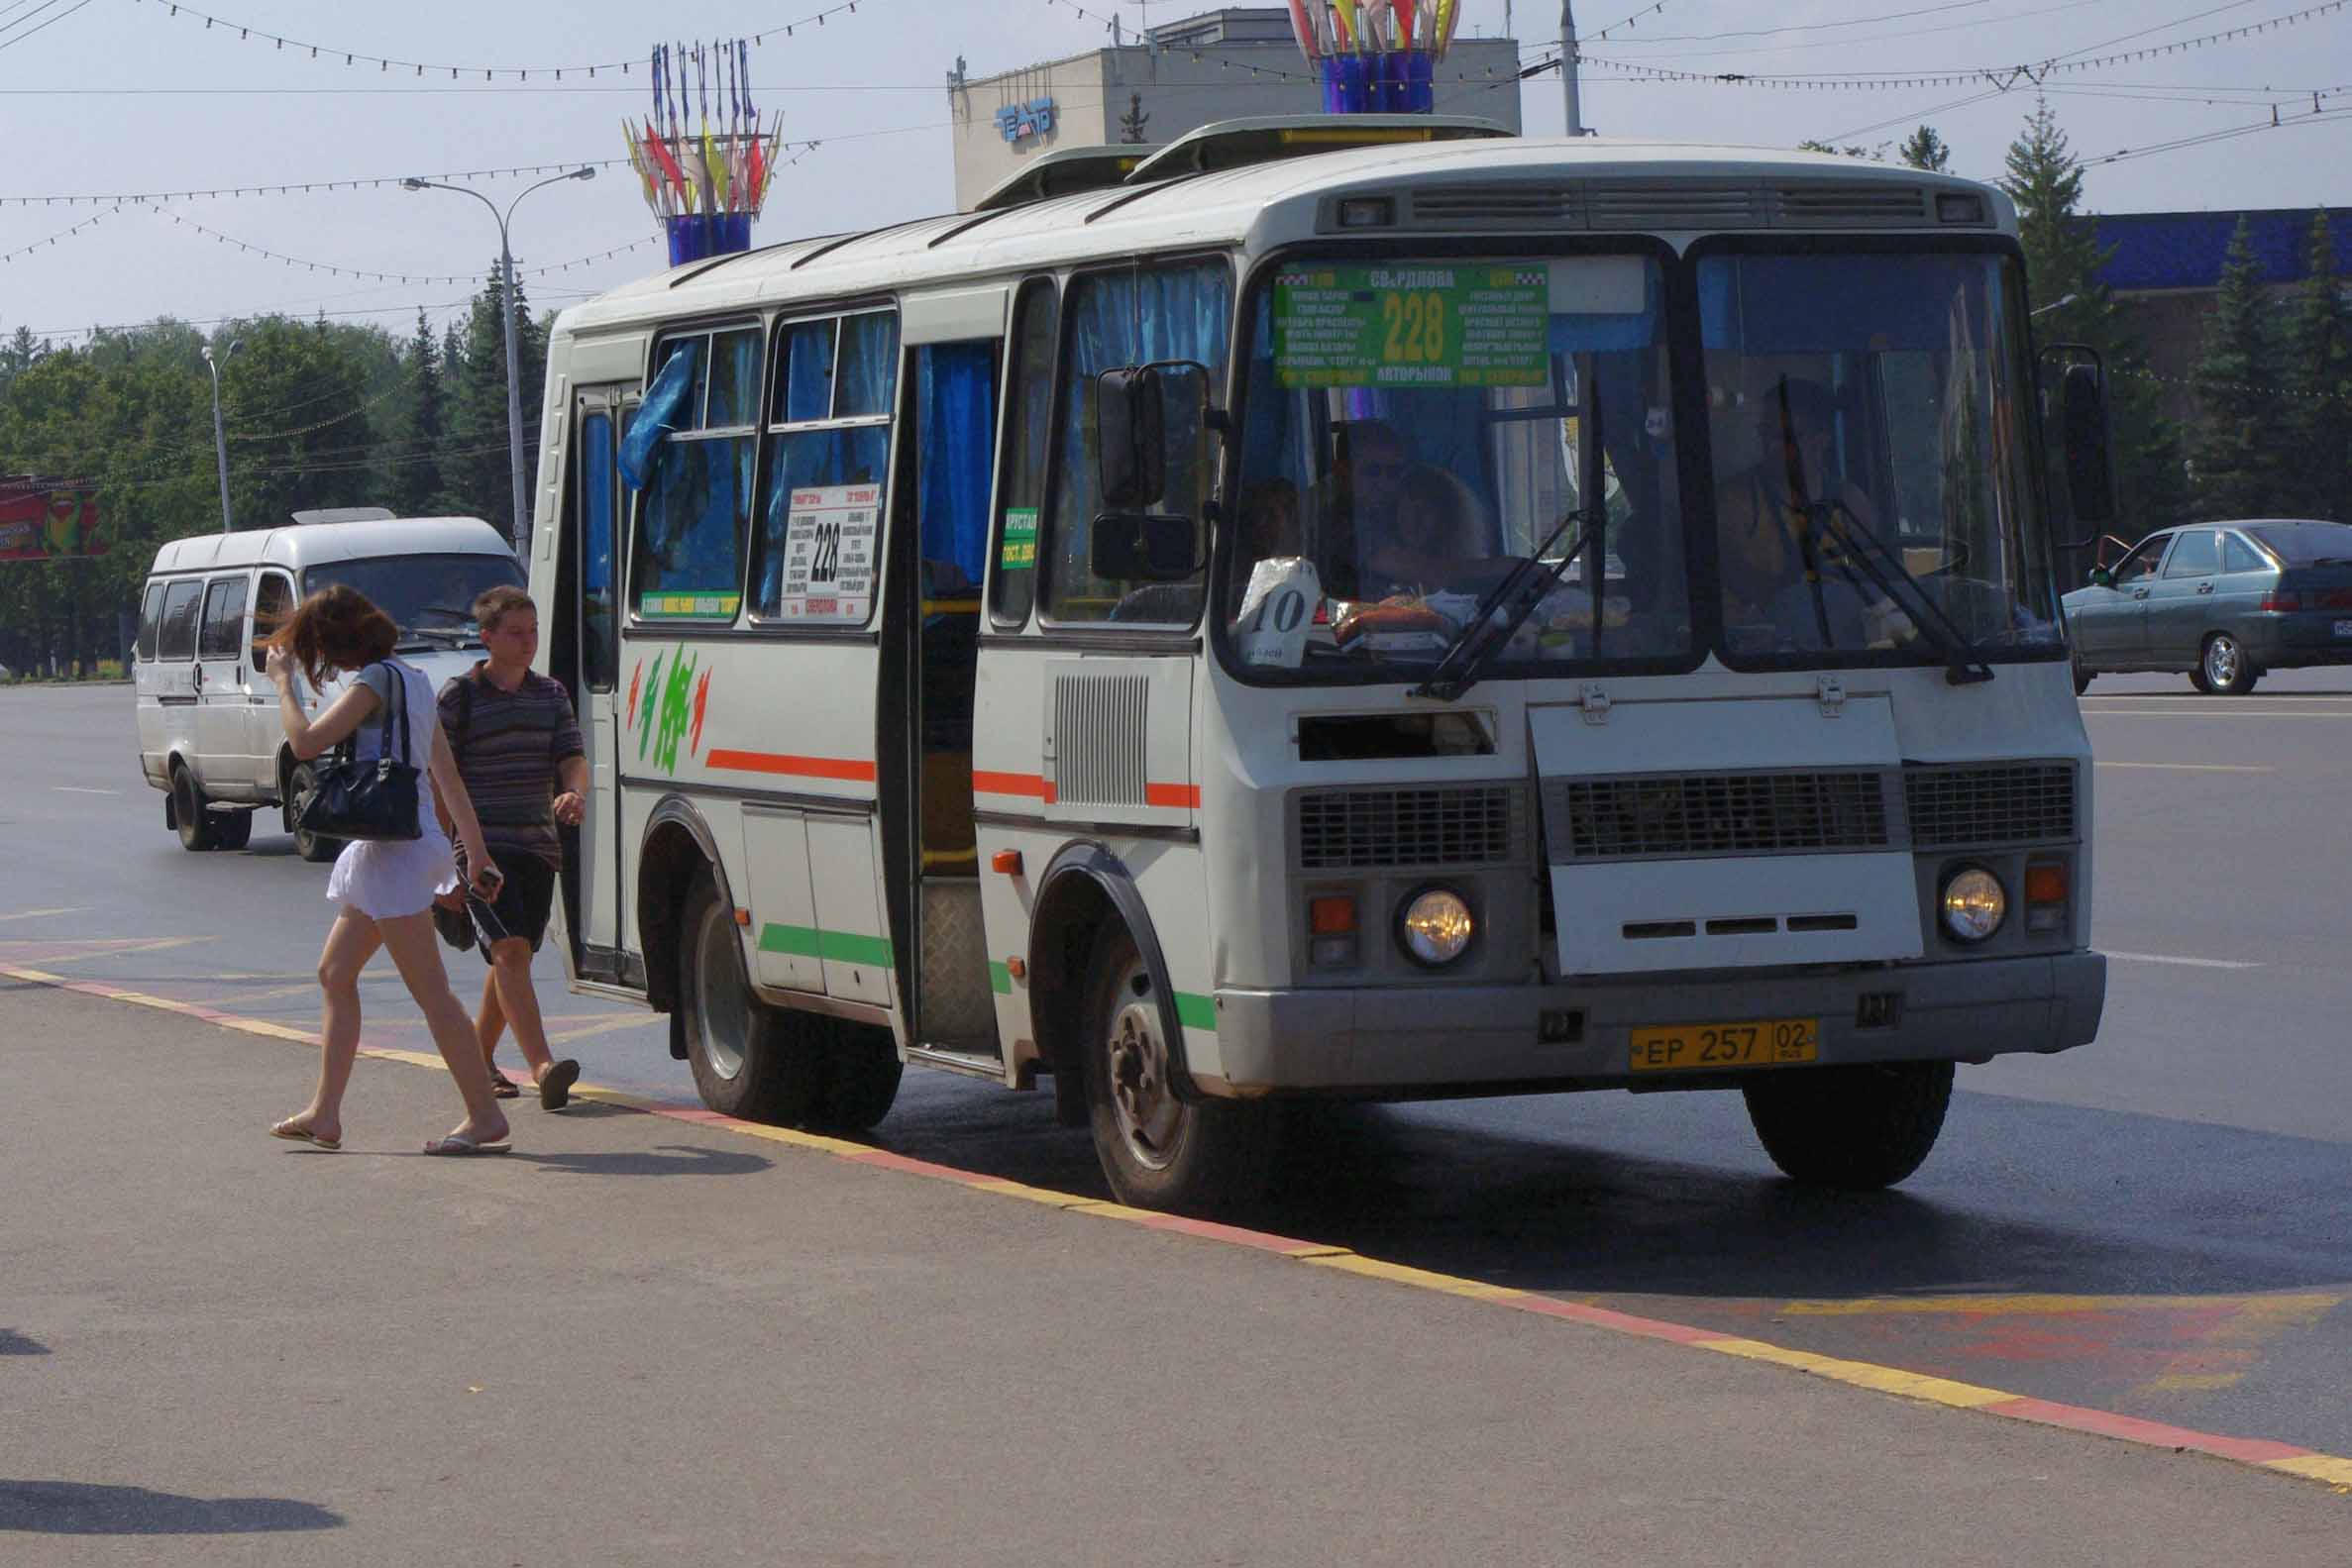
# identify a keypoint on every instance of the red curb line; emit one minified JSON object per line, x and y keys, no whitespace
{"x":2154,"y":1435}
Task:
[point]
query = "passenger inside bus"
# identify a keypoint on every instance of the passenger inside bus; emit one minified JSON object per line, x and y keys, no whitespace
{"x":1354,"y":505}
{"x":1787,"y":583}
{"x":1431,"y":542}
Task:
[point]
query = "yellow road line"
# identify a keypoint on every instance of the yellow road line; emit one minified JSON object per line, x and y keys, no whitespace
{"x":1863,"y":1374}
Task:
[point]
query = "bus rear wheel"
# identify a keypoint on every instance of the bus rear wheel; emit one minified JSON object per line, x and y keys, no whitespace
{"x":1159,"y":1150}
{"x":1860,"y":1128}
{"x":749,"y":1060}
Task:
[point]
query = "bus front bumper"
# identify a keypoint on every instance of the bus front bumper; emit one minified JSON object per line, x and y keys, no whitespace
{"x":1398,"y":1042}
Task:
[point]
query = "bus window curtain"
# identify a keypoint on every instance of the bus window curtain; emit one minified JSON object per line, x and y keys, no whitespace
{"x":808,"y":370}
{"x":869,"y":365}
{"x":663,"y":411}
{"x":955,"y":395}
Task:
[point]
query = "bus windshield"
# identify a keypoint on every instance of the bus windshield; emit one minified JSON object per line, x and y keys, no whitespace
{"x":1414,"y":428}
{"x":423,"y":595}
{"x":1867,"y":419}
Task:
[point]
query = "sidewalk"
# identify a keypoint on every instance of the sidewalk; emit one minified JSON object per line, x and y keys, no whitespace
{"x":638,"y":1337}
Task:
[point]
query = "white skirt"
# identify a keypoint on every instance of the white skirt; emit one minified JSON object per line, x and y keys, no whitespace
{"x":387,"y":878}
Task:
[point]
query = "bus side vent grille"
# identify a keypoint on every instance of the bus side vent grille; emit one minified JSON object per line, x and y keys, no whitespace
{"x":1641,"y":205}
{"x":1522,"y":206}
{"x":1361,"y":829}
{"x":1953,"y":808}
{"x":1098,"y":739}
{"x":1836,"y":206}
{"x":1684,"y":815}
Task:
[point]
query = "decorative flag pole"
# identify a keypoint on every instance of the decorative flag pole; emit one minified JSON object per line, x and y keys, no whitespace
{"x":704,"y":182}
{"x":1375,"y":56}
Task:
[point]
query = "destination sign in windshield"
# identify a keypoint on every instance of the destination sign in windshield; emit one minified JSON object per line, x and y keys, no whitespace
{"x":1412,"y":326}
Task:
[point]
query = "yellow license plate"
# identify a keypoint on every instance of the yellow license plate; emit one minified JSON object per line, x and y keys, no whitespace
{"x":1706,"y":1047}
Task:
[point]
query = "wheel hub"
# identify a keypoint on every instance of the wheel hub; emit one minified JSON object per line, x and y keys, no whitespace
{"x":2221,"y":662}
{"x":724,"y":1017}
{"x":1149,"y":1115}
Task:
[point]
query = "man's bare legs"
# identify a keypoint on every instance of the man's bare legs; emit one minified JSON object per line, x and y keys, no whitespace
{"x":508,"y":1000}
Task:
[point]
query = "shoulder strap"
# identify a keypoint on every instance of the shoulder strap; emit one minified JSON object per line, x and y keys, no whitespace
{"x":395,"y":703}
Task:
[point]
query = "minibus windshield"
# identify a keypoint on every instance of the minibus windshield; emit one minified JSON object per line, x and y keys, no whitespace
{"x":425,"y":596}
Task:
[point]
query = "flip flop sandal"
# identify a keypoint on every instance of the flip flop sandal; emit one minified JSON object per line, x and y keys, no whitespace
{"x":297,"y":1134}
{"x":555,"y":1090}
{"x":502,"y":1087}
{"x":456,"y":1146}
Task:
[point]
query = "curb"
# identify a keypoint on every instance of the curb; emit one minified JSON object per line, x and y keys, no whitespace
{"x":2286,"y":1459}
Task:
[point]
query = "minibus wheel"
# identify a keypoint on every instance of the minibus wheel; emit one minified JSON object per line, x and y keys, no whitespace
{"x":1159,"y":1150}
{"x":187,"y":810}
{"x":1860,"y":1127}
{"x":302,"y":785}
{"x":749,"y":1060}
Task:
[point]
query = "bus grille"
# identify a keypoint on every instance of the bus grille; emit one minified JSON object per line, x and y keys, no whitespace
{"x":1686,"y":816}
{"x":1359,"y":829}
{"x":1972,"y":805}
{"x":1099,"y":728}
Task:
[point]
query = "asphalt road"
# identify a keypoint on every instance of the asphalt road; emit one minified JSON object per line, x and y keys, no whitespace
{"x":2152,"y":1224}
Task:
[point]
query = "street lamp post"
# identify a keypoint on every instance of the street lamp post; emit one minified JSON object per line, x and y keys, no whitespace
{"x":220,"y":439}
{"x":515,"y":383}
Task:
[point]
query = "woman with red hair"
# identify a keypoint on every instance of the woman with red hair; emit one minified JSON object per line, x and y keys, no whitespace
{"x":386,"y":888}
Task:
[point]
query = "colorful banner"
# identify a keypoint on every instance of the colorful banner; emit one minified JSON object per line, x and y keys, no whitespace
{"x":1413,"y":326}
{"x":49,"y":519}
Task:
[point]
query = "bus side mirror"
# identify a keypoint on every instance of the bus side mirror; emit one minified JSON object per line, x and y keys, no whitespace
{"x":1141,"y":547}
{"x":2082,"y":414}
{"x":1131,"y":423}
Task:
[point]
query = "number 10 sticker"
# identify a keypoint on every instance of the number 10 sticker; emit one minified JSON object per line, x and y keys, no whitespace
{"x":829,"y":553}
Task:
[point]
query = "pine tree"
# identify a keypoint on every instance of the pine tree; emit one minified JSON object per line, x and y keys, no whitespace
{"x":1132,"y":123}
{"x":416,"y":481}
{"x":2317,"y":356}
{"x":2062,"y":259}
{"x":1925,"y":149}
{"x":2237,"y":458}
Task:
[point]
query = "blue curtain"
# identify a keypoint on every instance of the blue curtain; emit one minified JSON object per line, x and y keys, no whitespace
{"x":869,"y":365}
{"x":808,"y":370}
{"x":956,"y":418}
{"x":664,"y":410}
{"x":806,"y":460}
{"x":734,"y":382}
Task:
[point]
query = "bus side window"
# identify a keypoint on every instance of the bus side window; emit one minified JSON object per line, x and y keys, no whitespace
{"x":1181,"y":311}
{"x":690,"y":549}
{"x":177,"y":637}
{"x":595,"y":499}
{"x":150,"y":616}
{"x":273,"y":607}
{"x":828,"y":457}
{"x":1029,"y":421}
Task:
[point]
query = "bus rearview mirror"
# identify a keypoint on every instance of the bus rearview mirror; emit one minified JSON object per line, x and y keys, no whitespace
{"x":2083,"y":412}
{"x":1130,"y":421}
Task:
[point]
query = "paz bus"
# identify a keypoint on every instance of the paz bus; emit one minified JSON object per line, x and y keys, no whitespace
{"x":1360,"y":608}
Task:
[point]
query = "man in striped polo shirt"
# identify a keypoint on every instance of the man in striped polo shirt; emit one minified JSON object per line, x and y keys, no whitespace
{"x":518,"y":748}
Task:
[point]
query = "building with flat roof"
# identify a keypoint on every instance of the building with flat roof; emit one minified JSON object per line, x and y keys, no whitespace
{"x":1154,"y":86}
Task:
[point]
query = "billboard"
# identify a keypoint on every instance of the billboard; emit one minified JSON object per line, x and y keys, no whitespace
{"x":49,"y":519}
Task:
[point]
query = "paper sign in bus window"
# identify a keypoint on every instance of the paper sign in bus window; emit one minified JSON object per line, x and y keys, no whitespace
{"x":829,"y":553}
{"x":1020,"y":552}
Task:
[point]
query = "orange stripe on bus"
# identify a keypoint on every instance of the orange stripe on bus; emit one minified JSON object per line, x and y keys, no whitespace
{"x":1029,"y":786}
{"x":845,"y":768}
{"x":1172,"y":795}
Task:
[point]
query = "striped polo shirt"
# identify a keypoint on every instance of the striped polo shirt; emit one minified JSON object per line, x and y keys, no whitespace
{"x":508,"y":748}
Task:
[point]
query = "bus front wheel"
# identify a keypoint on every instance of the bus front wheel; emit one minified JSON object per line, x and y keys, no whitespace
{"x":1860,"y":1128}
{"x":748,"y":1060}
{"x":1159,"y":1151}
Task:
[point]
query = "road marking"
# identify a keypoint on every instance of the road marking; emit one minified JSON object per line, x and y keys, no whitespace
{"x":2292,"y":1459}
{"x":2192,"y":962}
{"x":78,"y":789}
{"x":2215,"y":713}
{"x":38,"y":914}
{"x":2312,"y":1302}
{"x":2201,"y":768}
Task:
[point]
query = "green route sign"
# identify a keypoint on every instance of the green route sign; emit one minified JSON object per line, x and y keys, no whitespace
{"x":1412,"y":326}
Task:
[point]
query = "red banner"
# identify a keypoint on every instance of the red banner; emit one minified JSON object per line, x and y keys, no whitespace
{"x":48,"y":519}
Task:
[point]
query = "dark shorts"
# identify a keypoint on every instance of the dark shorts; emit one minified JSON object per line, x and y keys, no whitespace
{"x":522,"y":905}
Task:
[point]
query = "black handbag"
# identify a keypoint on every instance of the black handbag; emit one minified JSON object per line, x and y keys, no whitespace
{"x":374,"y":799}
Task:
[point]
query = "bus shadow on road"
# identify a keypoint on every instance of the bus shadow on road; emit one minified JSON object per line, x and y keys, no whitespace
{"x":78,"y":1508}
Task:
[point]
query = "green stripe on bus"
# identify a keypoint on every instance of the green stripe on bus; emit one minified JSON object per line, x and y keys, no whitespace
{"x":839,"y":947}
{"x":999,"y":979}
{"x":1195,"y":1012}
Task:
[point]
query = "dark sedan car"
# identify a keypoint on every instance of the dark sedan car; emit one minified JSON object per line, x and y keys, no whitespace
{"x":2222,"y":601}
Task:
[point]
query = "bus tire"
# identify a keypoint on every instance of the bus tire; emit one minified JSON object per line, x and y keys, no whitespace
{"x":232,"y":829}
{"x":1159,"y":1150}
{"x":748,"y":1059}
{"x":1860,"y":1128}
{"x":302,"y":785}
{"x":864,"y":1080}
{"x":187,"y":810}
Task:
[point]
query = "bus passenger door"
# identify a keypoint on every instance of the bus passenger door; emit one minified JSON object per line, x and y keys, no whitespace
{"x":592,"y":860}
{"x":939,"y":538}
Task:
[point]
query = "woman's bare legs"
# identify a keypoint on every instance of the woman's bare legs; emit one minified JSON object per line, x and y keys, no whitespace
{"x":416,"y":951}
{"x":351,"y":941}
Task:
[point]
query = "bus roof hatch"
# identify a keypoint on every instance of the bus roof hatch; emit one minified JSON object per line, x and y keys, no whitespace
{"x":1232,"y":144}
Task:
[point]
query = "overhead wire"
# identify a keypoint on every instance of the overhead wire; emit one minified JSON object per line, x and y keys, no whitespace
{"x":11,"y":42}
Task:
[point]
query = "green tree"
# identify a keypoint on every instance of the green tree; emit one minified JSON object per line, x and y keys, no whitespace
{"x":1876,"y":153}
{"x":2317,"y":356}
{"x":415,"y":472}
{"x":2062,"y":257}
{"x":2239,"y":460}
{"x":475,"y":467}
{"x":1923,"y":149}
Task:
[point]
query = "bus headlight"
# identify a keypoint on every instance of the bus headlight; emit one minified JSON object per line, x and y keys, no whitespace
{"x":1974,"y":904}
{"x":1434,"y":926}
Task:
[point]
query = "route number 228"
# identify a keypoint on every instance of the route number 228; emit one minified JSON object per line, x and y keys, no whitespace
{"x":1416,"y":328}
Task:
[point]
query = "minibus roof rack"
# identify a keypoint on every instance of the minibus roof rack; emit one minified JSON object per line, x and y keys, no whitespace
{"x":1232,"y":144}
{"x":347,"y":514}
{"x":1065,"y":172}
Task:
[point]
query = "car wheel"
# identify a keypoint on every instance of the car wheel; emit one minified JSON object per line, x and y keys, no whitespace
{"x":316,"y":848}
{"x":1860,"y":1128}
{"x":187,"y":810}
{"x":2083,"y":679}
{"x":1158,"y":1149}
{"x":2196,"y":679}
{"x":749,"y":1060}
{"x":2226,"y":668}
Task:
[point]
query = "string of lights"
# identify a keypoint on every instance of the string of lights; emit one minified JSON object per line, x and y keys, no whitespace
{"x":384,"y":65}
{"x":64,"y":234}
{"x":1628,"y":23}
{"x":1258,"y":72}
{"x":2197,"y":383}
{"x":394,"y":277}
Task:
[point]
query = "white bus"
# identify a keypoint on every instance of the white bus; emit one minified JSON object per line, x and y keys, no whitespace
{"x":1351,"y":609}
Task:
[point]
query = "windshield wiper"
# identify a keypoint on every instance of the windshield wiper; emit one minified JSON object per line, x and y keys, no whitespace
{"x":1467,"y":648}
{"x":1966,"y":666}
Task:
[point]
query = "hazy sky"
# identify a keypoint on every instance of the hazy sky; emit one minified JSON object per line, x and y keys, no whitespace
{"x":119,"y":96}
